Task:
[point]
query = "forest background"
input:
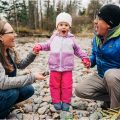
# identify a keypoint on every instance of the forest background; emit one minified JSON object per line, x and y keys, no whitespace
{"x":37,"y":17}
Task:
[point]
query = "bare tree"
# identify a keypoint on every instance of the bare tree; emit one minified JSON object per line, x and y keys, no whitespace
{"x":54,"y":4}
{"x":59,"y":7}
{"x":93,"y":8}
{"x":15,"y":13}
{"x":54,"y":11}
{"x":108,"y":1}
{"x":41,"y":14}
{"x":47,"y":12}
{"x":33,"y":14}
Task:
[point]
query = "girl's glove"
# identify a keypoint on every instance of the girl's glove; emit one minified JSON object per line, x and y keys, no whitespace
{"x":86,"y":62}
{"x":37,"y":48}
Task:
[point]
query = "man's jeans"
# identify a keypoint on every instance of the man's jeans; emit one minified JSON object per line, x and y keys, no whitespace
{"x":10,"y":97}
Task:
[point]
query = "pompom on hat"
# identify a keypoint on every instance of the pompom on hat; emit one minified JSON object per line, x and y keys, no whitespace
{"x":110,"y":14}
{"x":64,"y":17}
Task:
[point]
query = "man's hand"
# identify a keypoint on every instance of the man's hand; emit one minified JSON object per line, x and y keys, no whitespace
{"x":86,"y":62}
{"x":36,"y":48}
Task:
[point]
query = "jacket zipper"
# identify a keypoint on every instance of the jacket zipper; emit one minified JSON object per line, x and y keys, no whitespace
{"x":61,"y":54}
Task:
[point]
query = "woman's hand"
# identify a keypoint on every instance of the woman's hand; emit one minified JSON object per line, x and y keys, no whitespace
{"x":39,"y":76}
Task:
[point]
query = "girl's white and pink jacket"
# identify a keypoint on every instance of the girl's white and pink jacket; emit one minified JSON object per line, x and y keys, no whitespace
{"x":62,"y":51}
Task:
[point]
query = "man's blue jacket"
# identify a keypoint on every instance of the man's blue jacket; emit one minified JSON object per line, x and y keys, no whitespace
{"x":106,"y":55}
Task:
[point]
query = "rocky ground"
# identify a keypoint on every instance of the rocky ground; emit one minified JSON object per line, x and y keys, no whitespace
{"x":39,"y":106}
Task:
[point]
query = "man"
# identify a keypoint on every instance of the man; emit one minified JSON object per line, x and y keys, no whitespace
{"x":105,"y":85}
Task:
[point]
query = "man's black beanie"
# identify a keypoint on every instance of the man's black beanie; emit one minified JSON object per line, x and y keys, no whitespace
{"x":110,"y":14}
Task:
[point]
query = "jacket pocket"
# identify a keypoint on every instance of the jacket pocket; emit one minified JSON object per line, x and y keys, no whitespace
{"x":54,"y":60}
{"x":68,"y":60}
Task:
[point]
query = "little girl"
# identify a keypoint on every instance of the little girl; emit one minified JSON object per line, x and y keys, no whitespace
{"x":62,"y":49}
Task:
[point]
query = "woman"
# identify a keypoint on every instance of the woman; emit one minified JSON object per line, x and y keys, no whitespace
{"x":13,"y":89}
{"x":105,"y":85}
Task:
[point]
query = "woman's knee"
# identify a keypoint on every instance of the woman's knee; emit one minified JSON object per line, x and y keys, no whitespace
{"x":11,"y":95}
{"x":26,"y":91}
{"x":14,"y":93}
{"x":31,"y":90}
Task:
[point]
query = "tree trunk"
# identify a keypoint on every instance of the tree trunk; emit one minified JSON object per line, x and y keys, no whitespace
{"x":15,"y":13}
{"x":33,"y":12}
{"x":41,"y":16}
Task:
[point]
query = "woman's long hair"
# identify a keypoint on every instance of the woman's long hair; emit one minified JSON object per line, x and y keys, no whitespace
{"x":4,"y":59}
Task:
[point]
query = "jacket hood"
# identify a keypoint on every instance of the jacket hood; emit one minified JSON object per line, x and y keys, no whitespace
{"x":115,"y":32}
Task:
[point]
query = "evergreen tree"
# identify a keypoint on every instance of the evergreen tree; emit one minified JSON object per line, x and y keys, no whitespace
{"x":4,"y":8}
{"x":59,"y":7}
{"x":33,"y":14}
{"x":93,"y":8}
{"x":23,"y":14}
{"x":50,"y":15}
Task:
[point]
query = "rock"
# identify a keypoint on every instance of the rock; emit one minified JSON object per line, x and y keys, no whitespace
{"x":12,"y":116}
{"x":80,"y":105}
{"x":46,"y":99}
{"x":42,"y":116}
{"x":28,"y":108}
{"x":35,"y":107}
{"x":36,"y":117}
{"x":56,"y":116}
{"x":92,"y":104}
{"x":96,"y":116}
{"x":99,"y":103}
{"x":43,"y":109}
{"x":52,"y":109}
{"x":20,"y":116}
{"x":84,"y":118}
{"x":37,"y":93}
{"x":83,"y":113}
{"x":66,"y":115}
{"x":28,"y":117}
{"x":43,"y":104}
{"x":38,"y":100}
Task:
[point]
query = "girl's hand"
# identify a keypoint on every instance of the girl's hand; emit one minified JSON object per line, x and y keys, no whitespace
{"x":36,"y":48}
{"x":86,"y":62}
